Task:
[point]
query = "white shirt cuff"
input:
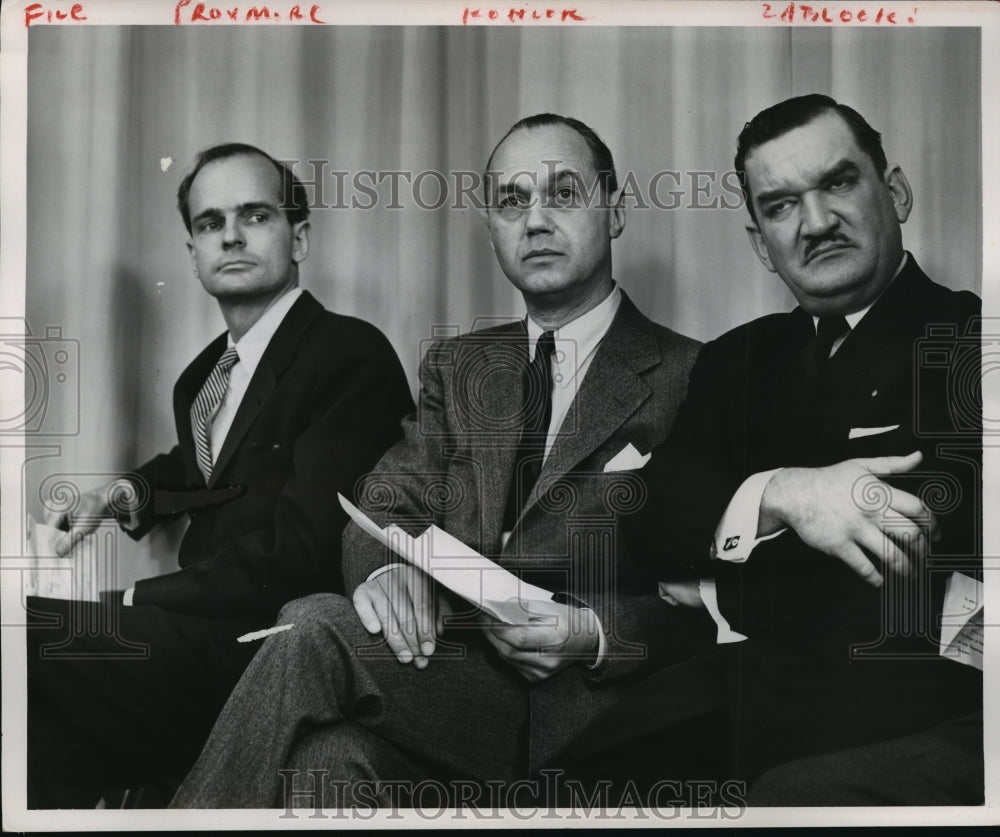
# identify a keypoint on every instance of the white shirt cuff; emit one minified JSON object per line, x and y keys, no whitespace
{"x":385,"y":569}
{"x":736,"y":535}
{"x":709,"y":595}
{"x":128,"y":596}
{"x":602,"y":644}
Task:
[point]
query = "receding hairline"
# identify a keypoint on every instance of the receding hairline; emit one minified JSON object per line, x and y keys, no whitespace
{"x":587,"y":155}
{"x":245,"y":154}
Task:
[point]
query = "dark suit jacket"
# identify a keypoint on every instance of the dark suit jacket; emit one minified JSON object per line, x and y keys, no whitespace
{"x":831,"y":662}
{"x":456,"y":462}
{"x":323,"y":404}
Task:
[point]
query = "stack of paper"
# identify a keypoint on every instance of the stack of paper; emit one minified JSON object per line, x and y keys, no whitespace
{"x":962,"y":621}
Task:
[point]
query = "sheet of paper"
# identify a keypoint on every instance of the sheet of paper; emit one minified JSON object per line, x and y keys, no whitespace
{"x":458,"y":567}
{"x":41,"y":539}
{"x":962,"y":621}
{"x":51,"y":576}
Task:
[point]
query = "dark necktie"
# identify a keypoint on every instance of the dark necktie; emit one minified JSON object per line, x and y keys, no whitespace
{"x":817,"y":351}
{"x":534,"y":429}
{"x":207,"y":402}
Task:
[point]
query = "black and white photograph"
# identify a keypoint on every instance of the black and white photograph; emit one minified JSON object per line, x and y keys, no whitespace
{"x":449,"y":415}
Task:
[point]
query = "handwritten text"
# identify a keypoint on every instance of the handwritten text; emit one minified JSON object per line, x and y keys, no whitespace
{"x":36,"y":11}
{"x":520,"y":15}
{"x":188,"y":12}
{"x":803,"y":13}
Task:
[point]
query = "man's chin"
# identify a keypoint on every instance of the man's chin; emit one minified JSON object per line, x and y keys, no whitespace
{"x":833,"y":274}
{"x":542,"y":283}
{"x":238,"y":293}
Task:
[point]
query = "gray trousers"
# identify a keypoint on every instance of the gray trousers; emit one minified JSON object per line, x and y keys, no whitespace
{"x":327,"y":702}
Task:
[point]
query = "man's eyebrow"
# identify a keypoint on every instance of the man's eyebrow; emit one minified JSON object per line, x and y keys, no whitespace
{"x":242,"y":209}
{"x":206,"y":214}
{"x":572,"y":175}
{"x":512,"y":187}
{"x":838,"y":169}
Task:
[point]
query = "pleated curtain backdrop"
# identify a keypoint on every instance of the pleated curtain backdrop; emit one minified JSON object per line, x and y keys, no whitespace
{"x":116,"y":115}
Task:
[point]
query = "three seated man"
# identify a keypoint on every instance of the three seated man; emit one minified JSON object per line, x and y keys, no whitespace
{"x":758,"y":523}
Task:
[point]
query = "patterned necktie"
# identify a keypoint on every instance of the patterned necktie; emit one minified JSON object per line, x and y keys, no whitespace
{"x":205,"y":405}
{"x":817,"y":351}
{"x":534,"y":429}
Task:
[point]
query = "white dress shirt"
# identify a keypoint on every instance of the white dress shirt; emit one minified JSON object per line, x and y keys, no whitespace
{"x":575,"y":346}
{"x":250,"y":349}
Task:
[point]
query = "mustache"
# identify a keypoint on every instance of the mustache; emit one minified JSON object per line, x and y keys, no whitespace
{"x":817,"y":243}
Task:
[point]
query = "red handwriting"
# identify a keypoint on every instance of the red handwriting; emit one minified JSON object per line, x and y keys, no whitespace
{"x":803,"y":13}
{"x":520,"y":15}
{"x":204,"y":13}
{"x":36,"y":11}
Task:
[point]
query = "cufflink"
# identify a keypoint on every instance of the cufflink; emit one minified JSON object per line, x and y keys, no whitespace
{"x":731,"y":543}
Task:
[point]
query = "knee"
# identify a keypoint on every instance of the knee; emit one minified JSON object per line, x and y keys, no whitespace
{"x":318,"y":610}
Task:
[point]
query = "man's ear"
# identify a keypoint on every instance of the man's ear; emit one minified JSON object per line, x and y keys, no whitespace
{"x":300,"y":242}
{"x":759,"y":246}
{"x":617,"y":210}
{"x":484,"y":213}
{"x":899,"y":188}
{"x":194,"y":259}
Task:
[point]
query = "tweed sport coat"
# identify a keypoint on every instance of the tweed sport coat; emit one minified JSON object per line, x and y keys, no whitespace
{"x":455,"y":465}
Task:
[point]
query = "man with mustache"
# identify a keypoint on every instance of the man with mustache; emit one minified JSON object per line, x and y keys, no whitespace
{"x":523,"y":448}
{"x":823,"y":480}
{"x":291,"y":405}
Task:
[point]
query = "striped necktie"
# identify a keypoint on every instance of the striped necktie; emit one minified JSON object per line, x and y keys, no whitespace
{"x":205,"y":405}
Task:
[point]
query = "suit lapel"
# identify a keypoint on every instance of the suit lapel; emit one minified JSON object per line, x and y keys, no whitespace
{"x":611,"y":392}
{"x":878,"y":352}
{"x":275,"y":360}
{"x":502,"y":397}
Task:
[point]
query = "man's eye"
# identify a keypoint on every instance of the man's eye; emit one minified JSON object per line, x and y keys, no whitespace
{"x":777,"y":209}
{"x":510,"y":202}
{"x":208,"y":226}
{"x":566,"y":196}
{"x":257,"y":217}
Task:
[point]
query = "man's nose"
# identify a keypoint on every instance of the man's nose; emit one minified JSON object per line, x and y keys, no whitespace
{"x":817,"y":216}
{"x":538,"y":218}
{"x":232,"y":234}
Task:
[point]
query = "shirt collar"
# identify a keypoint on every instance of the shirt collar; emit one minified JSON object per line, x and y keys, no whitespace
{"x":586,"y":331}
{"x":856,"y":317}
{"x":252,"y":344}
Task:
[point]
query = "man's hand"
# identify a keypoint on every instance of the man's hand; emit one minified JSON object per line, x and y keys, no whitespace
{"x":556,"y":636}
{"x":94,"y":506}
{"x":405,"y":605}
{"x":827,"y":509}
{"x":686,"y":593}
